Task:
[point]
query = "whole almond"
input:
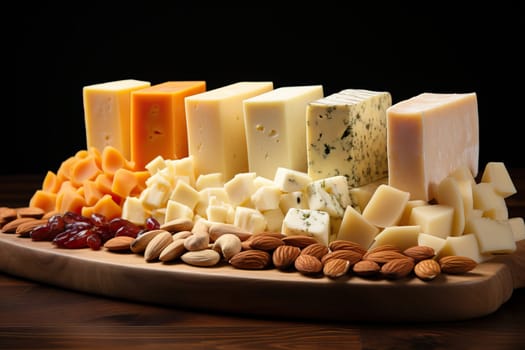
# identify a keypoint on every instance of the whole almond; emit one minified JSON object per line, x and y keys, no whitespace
{"x":227,"y":245}
{"x":177,"y":225}
{"x":265,"y":242}
{"x":173,"y":251}
{"x":217,"y":229}
{"x":24,"y":229}
{"x":397,"y":268}
{"x":300,"y":241}
{"x":308,"y":264}
{"x":197,"y":241}
{"x":335,"y":268}
{"x":382,"y":257}
{"x":119,"y":243}
{"x":8,"y":214}
{"x":283,"y":257}
{"x":316,"y":249}
{"x":350,"y":255}
{"x":181,"y":234}
{"x":157,"y":245}
{"x":30,"y":212}
{"x":11,"y":226}
{"x":252,"y":259}
{"x":381,"y":248}
{"x":427,"y":269}
{"x":366,"y":268}
{"x":341,"y":244}
{"x":140,"y":243}
{"x":204,"y":257}
{"x":420,"y":252}
{"x":455,"y":264}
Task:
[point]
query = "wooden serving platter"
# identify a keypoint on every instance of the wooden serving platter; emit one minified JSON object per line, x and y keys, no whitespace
{"x":270,"y":293}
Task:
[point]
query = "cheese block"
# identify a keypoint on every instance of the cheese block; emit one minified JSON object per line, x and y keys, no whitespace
{"x":215,"y":122}
{"x":346,"y":135}
{"x":107,"y":113}
{"x":275,"y":125}
{"x":158,"y":121}
{"x":430,"y":136}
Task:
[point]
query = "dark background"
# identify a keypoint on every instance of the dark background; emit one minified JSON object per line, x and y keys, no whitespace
{"x":402,"y":49}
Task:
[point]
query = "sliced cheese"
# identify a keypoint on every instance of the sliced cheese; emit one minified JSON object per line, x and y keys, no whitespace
{"x":346,"y":135}
{"x":494,"y":237}
{"x":354,"y":227}
{"x":430,"y":136}
{"x":215,"y":124}
{"x":275,"y":124}
{"x":435,"y":219}
{"x":497,"y":174}
{"x":386,"y":206}
{"x":402,"y":237}
{"x":107,"y":113}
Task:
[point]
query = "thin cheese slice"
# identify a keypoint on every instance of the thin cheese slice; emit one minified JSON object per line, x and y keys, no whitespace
{"x":430,"y":136}
{"x":216,"y":134}
{"x":158,"y":121}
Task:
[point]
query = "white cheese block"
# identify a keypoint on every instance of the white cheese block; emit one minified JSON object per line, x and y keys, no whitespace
{"x":346,"y":135}
{"x":494,"y":237}
{"x":290,"y":180}
{"x":266,"y":198}
{"x":176,"y":210}
{"x":215,"y":124}
{"x":274,"y":219}
{"x":449,"y":193}
{"x":405,"y":218}
{"x":402,"y":237}
{"x":296,"y":199}
{"x":435,"y":219}
{"x":359,"y":196}
{"x":249,"y":219}
{"x":435,"y":242}
{"x":487,"y":199}
{"x":386,"y":206}
{"x":354,"y":227}
{"x":430,"y":136}
{"x":240,"y":188}
{"x":309,"y":222}
{"x":517,"y":225}
{"x":330,"y":195}
{"x":185,"y":194}
{"x":209,"y":180}
{"x":497,"y":174}
{"x":134,"y":211}
{"x":465,"y":245}
{"x":275,"y":124}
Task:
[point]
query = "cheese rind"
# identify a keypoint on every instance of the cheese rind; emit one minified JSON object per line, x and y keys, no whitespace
{"x":430,"y":136}
{"x":215,"y":124}
{"x":346,"y":135}
{"x":107,"y":113}
{"x":275,"y":124}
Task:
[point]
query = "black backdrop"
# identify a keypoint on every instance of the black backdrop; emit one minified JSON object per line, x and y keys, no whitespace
{"x":404,"y":50}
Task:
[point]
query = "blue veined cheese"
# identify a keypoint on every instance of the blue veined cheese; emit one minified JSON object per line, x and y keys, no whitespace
{"x":346,"y":135}
{"x":330,"y":195}
{"x":315,"y":223}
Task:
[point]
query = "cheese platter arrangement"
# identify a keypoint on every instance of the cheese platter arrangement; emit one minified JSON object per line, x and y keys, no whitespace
{"x":278,"y":202}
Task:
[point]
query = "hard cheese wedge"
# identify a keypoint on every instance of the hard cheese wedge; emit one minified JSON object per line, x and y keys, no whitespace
{"x":158,"y":121}
{"x":430,"y":136}
{"x":275,"y":125}
{"x":215,"y":122}
{"x":107,"y":113}
{"x":346,"y":135}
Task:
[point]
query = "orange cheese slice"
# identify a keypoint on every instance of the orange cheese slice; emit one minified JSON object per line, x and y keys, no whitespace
{"x":158,"y":121}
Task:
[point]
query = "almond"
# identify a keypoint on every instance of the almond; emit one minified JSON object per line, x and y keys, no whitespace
{"x":420,"y":252}
{"x":173,"y":251}
{"x":177,"y":225}
{"x":227,"y":245}
{"x":455,"y":264}
{"x":217,"y":229}
{"x":366,"y":268}
{"x":197,"y":241}
{"x":427,"y":269}
{"x":24,"y":229}
{"x":157,"y":245}
{"x":300,"y":241}
{"x":265,"y":242}
{"x":284,"y":256}
{"x":8,"y":214}
{"x":119,"y":243}
{"x":381,"y":248}
{"x":30,"y":212}
{"x":384,"y":256}
{"x":140,"y":243}
{"x":346,"y":245}
{"x":336,"y":267}
{"x":204,"y":257}
{"x":308,"y":264}
{"x":397,"y":268}
{"x":11,"y":226}
{"x":350,"y":255}
{"x":253,"y":259}
{"x":316,"y":249}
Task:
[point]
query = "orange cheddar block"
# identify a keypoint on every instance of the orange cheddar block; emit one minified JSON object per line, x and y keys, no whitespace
{"x":44,"y":200}
{"x":91,"y":192}
{"x":112,"y":160}
{"x":158,"y":121}
{"x":69,"y":199}
{"x":108,"y":207}
{"x":124,"y":181}
{"x":64,"y":171}
{"x":84,"y":169}
{"x":51,"y":182}
{"x":107,"y":113}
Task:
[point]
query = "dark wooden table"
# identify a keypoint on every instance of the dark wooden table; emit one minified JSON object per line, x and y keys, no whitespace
{"x":37,"y":316}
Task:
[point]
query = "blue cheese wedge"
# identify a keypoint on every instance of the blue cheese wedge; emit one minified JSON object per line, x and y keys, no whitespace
{"x":346,"y":135}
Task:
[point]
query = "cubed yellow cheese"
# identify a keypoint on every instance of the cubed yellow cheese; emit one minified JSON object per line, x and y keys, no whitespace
{"x":359,"y":196}
{"x":517,"y":225}
{"x":240,"y":188}
{"x":176,"y":210}
{"x":434,"y":242}
{"x":274,"y":219}
{"x":266,"y":198}
{"x":386,"y":206}
{"x":275,"y":124}
{"x":411,"y":204}
{"x":494,"y":237}
{"x":215,"y":123}
{"x":296,"y":199}
{"x":134,"y":211}
{"x":435,"y":219}
{"x":487,"y":199}
{"x":354,"y":227}
{"x":290,"y":180}
{"x":249,"y":219}
{"x":465,"y":245}
{"x":346,"y":135}
{"x":429,"y":136}
{"x":107,"y":113}
{"x":402,"y":237}
{"x":497,"y":174}
{"x":209,"y":180}
{"x":185,"y":194}
{"x":449,"y":193}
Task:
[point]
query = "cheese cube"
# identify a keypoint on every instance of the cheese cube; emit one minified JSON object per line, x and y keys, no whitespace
{"x":435,"y":219}
{"x":209,"y":180}
{"x":296,"y":199}
{"x":411,"y":204}
{"x":465,"y":245}
{"x":449,"y":194}
{"x":185,"y":194}
{"x":330,"y":195}
{"x":240,"y":188}
{"x":309,"y":222}
{"x":289,"y":180}
{"x":346,"y":135}
{"x":266,"y":198}
{"x":359,"y":196}
{"x":176,"y":210}
{"x":487,"y":199}
{"x":402,"y":237}
{"x":155,"y":165}
{"x":215,"y":124}
{"x":357,"y":229}
{"x":158,"y":121}
{"x":435,"y":242}
{"x":386,"y":206}
{"x":517,"y":225}
{"x":107,"y":113}
{"x":249,"y":219}
{"x":494,"y":237}
{"x":274,"y":219}
{"x":134,"y":211}
{"x":429,"y":136}
{"x":275,"y":124}
{"x":496,"y":173}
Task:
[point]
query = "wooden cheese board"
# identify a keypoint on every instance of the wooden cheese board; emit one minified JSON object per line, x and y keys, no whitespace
{"x":266,"y":293}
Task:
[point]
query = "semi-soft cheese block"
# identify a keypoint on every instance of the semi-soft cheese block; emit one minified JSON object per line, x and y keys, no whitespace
{"x":107,"y":113}
{"x":430,"y":136}
{"x":158,"y":121}
{"x":346,"y":135}
{"x":215,"y":122}
{"x":275,"y":124}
